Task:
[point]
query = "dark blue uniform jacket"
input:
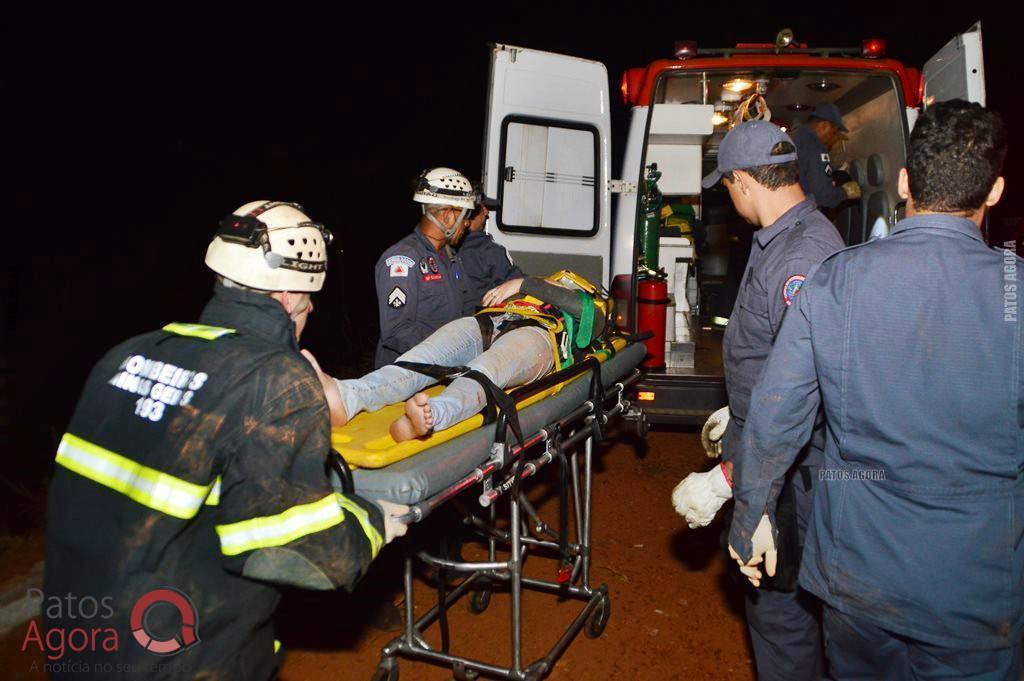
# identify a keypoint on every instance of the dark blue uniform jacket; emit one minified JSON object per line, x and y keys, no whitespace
{"x":913,"y":345}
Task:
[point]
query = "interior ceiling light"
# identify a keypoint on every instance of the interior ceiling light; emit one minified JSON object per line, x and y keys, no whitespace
{"x":822,"y":86}
{"x":719,"y":118}
{"x":738,"y":84}
{"x":796,"y":106}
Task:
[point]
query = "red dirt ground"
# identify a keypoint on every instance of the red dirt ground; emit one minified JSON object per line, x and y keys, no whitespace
{"x":676,"y":613}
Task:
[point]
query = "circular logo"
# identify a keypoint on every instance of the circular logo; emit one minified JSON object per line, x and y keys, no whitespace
{"x":186,"y":638}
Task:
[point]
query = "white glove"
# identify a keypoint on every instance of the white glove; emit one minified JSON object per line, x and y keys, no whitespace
{"x":390,"y":511}
{"x":763,"y":549}
{"x":699,"y":496}
{"x":713,"y":430}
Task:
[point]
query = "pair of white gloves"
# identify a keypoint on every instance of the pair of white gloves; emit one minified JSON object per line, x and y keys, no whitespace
{"x":700,"y":495}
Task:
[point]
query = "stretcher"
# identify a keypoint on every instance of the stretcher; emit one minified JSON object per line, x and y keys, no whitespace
{"x":559,"y":417}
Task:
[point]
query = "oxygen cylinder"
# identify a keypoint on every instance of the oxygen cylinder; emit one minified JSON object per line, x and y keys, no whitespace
{"x":651,"y":310}
{"x":650,"y":205}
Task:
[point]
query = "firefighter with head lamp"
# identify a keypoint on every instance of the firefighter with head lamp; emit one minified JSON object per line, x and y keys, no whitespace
{"x":419,"y":280}
{"x":194,"y":462}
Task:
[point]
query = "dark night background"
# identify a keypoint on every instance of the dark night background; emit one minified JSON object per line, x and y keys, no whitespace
{"x":129,"y":135}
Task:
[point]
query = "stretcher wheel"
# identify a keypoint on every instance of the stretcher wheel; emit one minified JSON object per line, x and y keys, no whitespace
{"x":479,"y":601}
{"x":598,"y":618}
{"x":387,"y":670}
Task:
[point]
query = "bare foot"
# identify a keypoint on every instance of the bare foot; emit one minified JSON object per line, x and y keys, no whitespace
{"x":418,"y":419}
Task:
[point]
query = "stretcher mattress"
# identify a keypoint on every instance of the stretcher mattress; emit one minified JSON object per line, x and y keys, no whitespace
{"x":441,"y":461}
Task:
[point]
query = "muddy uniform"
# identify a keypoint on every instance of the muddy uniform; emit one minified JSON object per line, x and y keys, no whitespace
{"x":195,"y":461}
{"x":418,"y":292}
{"x":485,"y":264}
{"x":913,"y":343}
{"x":783,"y":626}
{"x":816,"y":169}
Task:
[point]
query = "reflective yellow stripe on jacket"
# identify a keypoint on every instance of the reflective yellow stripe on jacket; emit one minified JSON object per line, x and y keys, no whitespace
{"x":282,"y":528}
{"x":376,"y":541}
{"x":198,"y":330}
{"x":145,"y":485}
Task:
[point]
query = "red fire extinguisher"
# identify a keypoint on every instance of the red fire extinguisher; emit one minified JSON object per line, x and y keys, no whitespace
{"x":652,"y":308}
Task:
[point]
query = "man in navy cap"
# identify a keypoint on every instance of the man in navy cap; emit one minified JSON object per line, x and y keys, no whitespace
{"x":757,"y":163}
{"x":824,"y":128}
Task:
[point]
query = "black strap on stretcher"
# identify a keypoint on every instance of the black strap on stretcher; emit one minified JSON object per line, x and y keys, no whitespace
{"x":495,"y":395}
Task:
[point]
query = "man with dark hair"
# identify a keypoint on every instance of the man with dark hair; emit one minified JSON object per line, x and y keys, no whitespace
{"x":814,"y":140}
{"x":913,"y":345}
{"x":758,"y":165}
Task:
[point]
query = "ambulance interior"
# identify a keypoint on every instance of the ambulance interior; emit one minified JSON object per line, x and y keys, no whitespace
{"x":692,"y":113}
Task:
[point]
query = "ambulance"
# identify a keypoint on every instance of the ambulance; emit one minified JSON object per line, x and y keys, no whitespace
{"x":548,"y":155}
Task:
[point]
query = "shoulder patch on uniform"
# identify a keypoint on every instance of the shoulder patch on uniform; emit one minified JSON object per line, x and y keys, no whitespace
{"x":398,"y":265}
{"x":423,"y":266}
{"x":396,"y":298}
{"x":792,"y":287}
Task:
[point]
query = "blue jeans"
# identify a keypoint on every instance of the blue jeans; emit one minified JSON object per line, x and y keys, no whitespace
{"x":516,"y":357}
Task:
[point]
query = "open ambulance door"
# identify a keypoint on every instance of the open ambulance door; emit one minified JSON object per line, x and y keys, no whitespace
{"x":547,"y":159}
{"x":957,"y":71}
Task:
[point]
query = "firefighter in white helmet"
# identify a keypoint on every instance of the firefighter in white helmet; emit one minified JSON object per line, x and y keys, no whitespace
{"x":419,"y":280}
{"x":192,"y":472}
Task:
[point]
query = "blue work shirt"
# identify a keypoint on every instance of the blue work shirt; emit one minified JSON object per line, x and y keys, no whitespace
{"x":913,"y":345}
{"x":816,"y":169}
{"x":485,"y":264}
{"x":780,"y":256}
{"x":418,"y":292}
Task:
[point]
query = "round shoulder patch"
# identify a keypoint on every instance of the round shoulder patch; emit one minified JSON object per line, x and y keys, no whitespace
{"x":791,"y":287}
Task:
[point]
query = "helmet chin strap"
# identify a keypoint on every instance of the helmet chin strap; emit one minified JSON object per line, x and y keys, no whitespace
{"x":448,"y":231}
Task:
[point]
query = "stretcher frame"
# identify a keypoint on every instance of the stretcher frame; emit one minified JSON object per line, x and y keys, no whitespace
{"x":500,"y":476}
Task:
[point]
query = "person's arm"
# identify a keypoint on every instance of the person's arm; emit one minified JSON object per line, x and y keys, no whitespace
{"x":500,"y":263}
{"x":826,"y":193}
{"x":782,"y":413}
{"x":397,"y":304}
{"x":278,"y":518}
{"x":783,"y":284}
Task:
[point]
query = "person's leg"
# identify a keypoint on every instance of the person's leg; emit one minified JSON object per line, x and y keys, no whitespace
{"x":517,"y":357}
{"x":454,"y":344}
{"x":785,"y":634}
{"x":930,"y":663}
{"x":785,"y":626}
{"x":859,"y":651}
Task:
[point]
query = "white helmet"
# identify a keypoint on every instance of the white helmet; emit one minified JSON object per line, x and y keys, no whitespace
{"x":271,"y":246}
{"x":445,"y":187}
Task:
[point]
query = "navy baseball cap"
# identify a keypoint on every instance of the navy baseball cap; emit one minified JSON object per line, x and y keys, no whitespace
{"x":749,"y":145}
{"x":827,"y":111}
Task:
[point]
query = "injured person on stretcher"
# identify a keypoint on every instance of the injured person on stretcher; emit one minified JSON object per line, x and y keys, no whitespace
{"x":530,"y":327}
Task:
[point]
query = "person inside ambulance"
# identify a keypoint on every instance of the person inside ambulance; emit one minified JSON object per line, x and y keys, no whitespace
{"x":823,"y":130}
{"x":528,"y":327}
{"x":191,"y":477}
{"x":418,"y":279}
{"x":485,"y":263}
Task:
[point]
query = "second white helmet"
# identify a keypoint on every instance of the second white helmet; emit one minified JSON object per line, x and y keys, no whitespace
{"x":445,"y":187}
{"x":271,"y":246}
